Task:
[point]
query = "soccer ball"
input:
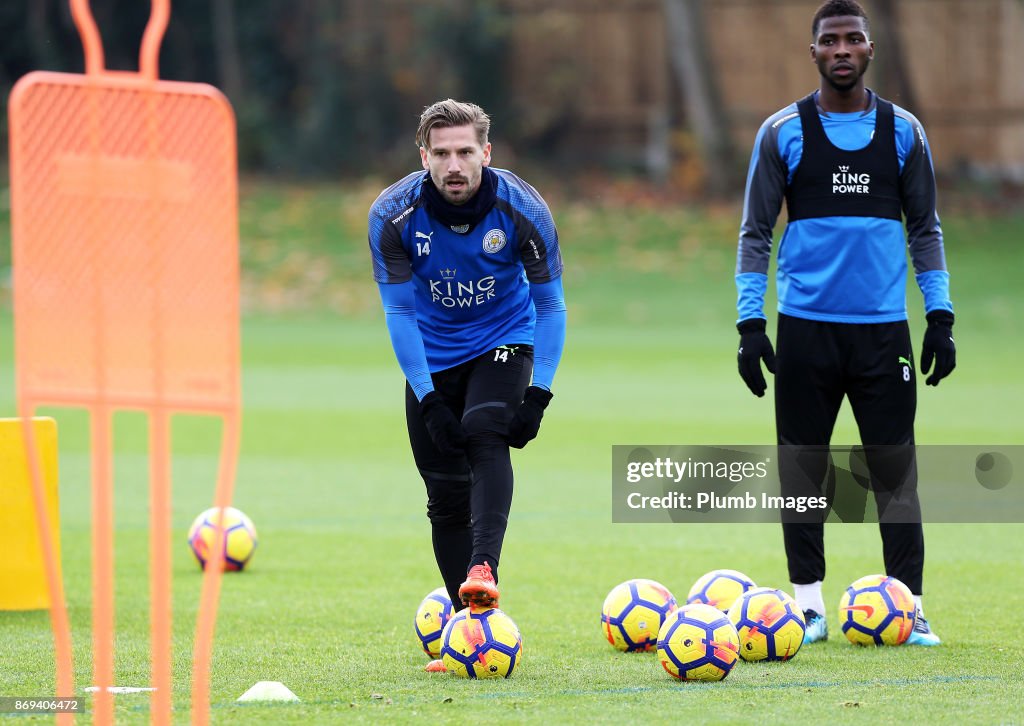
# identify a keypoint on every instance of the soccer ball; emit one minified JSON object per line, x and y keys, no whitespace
{"x":238,"y":540}
{"x":877,"y":610}
{"x":633,"y":614}
{"x":698,"y":643}
{"x":481,"y":644}
{"x":432,"y":615}
{"x":720,"y":588}
{"x":769,"y":624}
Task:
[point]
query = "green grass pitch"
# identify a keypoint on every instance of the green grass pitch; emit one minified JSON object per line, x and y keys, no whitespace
{"x":344,"y":555}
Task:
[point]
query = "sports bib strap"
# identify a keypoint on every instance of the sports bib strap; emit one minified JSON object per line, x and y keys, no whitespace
{"x":833,"y":182}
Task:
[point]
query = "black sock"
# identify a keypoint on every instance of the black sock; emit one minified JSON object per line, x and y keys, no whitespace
{"x":453,"y":547}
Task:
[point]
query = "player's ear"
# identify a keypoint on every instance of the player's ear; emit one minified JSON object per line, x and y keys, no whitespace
{"x":871,"y":50}
{"x":487,"y":154}
{"x":814,"y":54}
{"x":423,"y":157}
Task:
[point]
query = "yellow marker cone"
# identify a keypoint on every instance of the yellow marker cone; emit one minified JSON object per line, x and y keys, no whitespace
{"x":22,"y":572}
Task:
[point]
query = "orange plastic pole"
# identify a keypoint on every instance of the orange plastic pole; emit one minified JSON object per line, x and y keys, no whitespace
{"x":92,"y":43}
{"x":210,"y":594}
{"x":58,"y":608}
{"x":103,"y":616}
{"x":160,"y":565}
{"x":149,"y":53}
{"x":161,"y":605}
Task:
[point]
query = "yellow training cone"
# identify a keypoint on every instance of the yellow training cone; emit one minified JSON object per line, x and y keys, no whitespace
{"x":22,"y":571}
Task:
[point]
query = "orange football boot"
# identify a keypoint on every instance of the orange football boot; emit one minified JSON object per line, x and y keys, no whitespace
{"x":479,"y":590}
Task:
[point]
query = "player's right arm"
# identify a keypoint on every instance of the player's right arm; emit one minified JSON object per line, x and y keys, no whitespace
{"x":400,"y":318}
{"x":392,"y":269}
{"x":762,"y":201}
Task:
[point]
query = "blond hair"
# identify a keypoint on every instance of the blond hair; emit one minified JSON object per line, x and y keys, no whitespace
{"x":448,"y":113}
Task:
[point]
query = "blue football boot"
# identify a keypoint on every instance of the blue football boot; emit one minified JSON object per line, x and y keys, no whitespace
{"x":816,"y":627}
{"x":922,"y":633}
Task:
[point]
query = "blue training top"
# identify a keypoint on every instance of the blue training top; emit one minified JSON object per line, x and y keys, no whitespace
{"x":451,"y":295}
{"x":845,"y":269}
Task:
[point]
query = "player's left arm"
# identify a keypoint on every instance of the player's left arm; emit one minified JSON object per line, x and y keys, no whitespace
{"x":924,"y":239}
{"x":548,"y":341}
{"x":537,"y":239}
{"x":549,"y":336}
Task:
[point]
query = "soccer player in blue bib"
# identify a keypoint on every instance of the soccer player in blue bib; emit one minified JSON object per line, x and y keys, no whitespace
{"x":467,"y":261}
{"x":850,"y":166}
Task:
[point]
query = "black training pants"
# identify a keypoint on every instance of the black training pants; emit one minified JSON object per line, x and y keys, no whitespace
{"x":469,"y":497}
{"x":818,"y":363}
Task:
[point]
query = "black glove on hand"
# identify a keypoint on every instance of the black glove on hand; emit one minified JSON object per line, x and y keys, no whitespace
{"x":754,"y":347}
{"x":445,"y":430}
{"x":938,"y":345}
{"x":526,"y":422}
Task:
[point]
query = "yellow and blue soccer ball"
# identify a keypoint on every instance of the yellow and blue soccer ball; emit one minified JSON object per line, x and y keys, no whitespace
{"x":238,"y":539}
{"x":769,"y":624}
{"x":698,"y":643}
{"x":483,"y":644}
{"x":431,"y":616}
{"x":633,"y":614}
{"x":877,"y":610}
{"x":720,"y":588}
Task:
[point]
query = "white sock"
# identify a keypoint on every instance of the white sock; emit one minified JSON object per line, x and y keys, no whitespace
{"x":808,"y":597}
{"x":920,"y":607}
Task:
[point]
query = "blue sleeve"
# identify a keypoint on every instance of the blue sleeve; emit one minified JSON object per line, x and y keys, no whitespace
{"x":762,"y":201}
{"x":924,"y":230}
{"x":400,"y":317}
{"x":537,"y":237}
{"x":750,"y":290}
{"x":549,"y":336}
{"x":934,"y":286}
{"x":391,"y":263}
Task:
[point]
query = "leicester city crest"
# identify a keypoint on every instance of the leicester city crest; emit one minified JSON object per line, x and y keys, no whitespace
{"x":494,"y":240}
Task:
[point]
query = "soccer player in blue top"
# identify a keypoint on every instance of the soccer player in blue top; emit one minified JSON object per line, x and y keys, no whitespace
{"x":850,"y":166}
{"x":467,"y":261}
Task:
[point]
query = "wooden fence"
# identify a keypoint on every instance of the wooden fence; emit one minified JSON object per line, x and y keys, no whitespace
{"x":598,"y":73}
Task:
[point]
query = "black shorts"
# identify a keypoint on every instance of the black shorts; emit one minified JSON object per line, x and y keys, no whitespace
{"x":820,"y":363}
{"x":484,"y":392}
{"x":817,"y":365}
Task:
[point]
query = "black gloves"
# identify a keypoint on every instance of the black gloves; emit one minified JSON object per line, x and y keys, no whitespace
{"x":754,"y":347}
{"x":938,"y":345}
{"x":445,"y":430}
{"x":449,"y":437}
{"x":526,"y":422}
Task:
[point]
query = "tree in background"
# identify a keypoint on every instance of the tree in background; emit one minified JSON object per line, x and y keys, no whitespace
{"x":320,"y":87}
{"x":894,"y":78}
{"x":702,"y":99}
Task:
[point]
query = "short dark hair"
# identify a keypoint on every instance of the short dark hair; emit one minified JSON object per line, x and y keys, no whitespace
{"x":836,"y":9}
